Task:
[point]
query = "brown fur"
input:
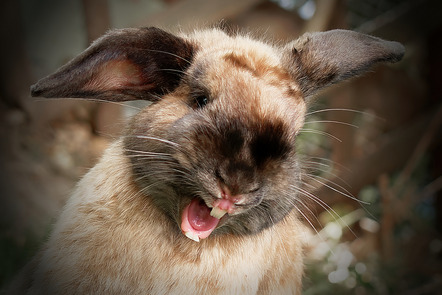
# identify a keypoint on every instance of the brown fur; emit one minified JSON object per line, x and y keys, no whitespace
{"x":226,"y":114}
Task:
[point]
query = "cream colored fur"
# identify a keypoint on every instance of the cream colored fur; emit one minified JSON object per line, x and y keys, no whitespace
{"x":111,"y":240}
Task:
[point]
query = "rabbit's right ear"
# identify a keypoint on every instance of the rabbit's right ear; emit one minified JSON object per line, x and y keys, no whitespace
{"x":126,"y":64}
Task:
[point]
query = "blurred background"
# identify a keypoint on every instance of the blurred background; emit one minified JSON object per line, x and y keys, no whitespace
{"x":372,"y":145}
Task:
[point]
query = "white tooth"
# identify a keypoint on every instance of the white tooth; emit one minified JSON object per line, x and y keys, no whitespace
{"x":217,"y":212}
{"x":192,"y":236}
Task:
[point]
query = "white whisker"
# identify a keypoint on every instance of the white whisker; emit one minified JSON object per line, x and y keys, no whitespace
{"x":304,"y":130}
{"x":157,"y":139}
{"x":178,"y":71}
{"x":316,"y":231}
{"x":332,"y":122}
{"x":170,"y":53}
{"x":338,"y":109}
{"x":346,"y":193}
{"x":324,"y":205}
{"x":92,"y":99}
{"x":147,"y":153}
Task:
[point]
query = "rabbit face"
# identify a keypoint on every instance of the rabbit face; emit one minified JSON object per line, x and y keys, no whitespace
{"x":224,"y":138}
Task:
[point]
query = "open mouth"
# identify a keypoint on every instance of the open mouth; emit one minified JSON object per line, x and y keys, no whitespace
{"x":198,"y":221}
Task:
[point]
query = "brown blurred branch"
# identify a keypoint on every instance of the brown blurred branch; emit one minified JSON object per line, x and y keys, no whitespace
{"x":419,"y":151}
{"x":399,"y":199}
{"x":388,"y":219}
{"x":432,"y":188}
{"x":388,"y":17}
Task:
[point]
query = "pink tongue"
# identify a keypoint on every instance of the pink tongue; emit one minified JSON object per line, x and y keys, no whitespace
{"x":196,"y":218}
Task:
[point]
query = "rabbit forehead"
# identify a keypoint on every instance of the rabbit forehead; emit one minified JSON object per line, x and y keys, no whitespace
{"x":245,"y":75}
{"x":216,"y":39}
{"x":223,"y":57}
{"x":219,"y":49}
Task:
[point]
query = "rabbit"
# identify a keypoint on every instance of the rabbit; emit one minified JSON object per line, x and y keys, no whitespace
{"x":199,"y":195}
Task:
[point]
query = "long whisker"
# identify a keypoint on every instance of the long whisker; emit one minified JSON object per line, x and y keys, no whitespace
{"x":346,"y":193}
{"x":157,"y":139}
{"x":178,"y":71}
{"x":147,"y":153}
{"x":331,"y":162}
{"x":332,"y":122}
{"x":327,"y":168}
{"x":318,"y":234}
{"x":300,"y":202}
{"x":170,"y":53}
{"x":340,"y":109}
{"x":305,"y":130}
{"x":324,"y":205}
{"x":91,"y":99}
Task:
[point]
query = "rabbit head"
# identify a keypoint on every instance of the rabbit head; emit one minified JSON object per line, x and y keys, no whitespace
{"x":215,"y":150}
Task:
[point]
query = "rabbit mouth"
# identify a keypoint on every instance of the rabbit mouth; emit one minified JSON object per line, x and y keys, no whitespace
{"x":198,"y":220}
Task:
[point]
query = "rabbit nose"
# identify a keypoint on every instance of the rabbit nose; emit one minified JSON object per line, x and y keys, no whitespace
{"x":227,"y":201}
{"x":231,"y":198}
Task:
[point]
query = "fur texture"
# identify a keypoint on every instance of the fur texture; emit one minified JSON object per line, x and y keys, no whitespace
{"x":222,"y":127}
{"x":111,"y":239}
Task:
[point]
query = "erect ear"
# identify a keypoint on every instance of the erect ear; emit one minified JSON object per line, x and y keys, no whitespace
{"x":317,"y":60}
{"x":126,"y":64}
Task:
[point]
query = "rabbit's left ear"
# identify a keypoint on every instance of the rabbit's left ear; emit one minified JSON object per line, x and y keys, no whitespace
{"x":126,"y":64}
{"x":317,"y":60}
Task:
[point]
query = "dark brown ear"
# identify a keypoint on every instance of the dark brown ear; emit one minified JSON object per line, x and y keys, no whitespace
{"x":126,"y":64}
{"x":317,"y":60}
